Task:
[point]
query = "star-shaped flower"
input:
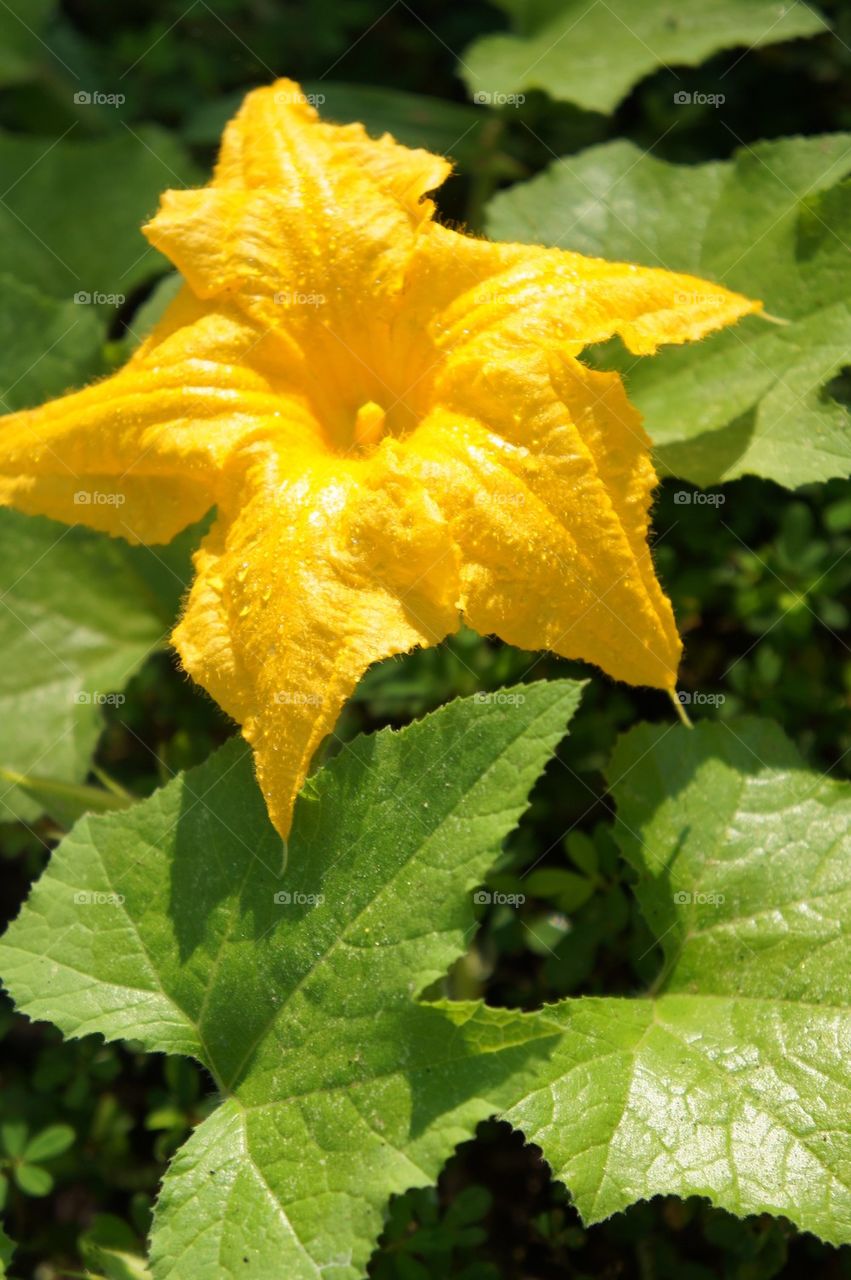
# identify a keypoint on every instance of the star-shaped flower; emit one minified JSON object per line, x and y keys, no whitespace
{"x":392,"y":422}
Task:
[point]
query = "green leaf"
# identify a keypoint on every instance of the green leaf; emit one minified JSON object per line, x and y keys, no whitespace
{"x":7,"y":1251}
{"x":773,"y":223}
{"x":110,"y":1249}
{"x":22,"y":23}
{"x":569,"y":890}
{"x":70,"y":219}
{"x":165,"y":1118}
{"x":51,"y":1142}
{"x":582,"y":851}
{"x":69,"y":258}
{"x":45,"y":346}
{"x":448,"y":128}
{"x":733,"y":1081}
{"x":13,"y":1135}
{"x":153,"y":309}
{"x":591,"y":54}
{"x":78,"y":614}
{"x":33,"y":1180}
{"x":295,"y":982}
{"x":296,"y":985}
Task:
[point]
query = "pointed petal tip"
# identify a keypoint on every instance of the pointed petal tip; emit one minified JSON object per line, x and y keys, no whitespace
{"x":696,"y":313}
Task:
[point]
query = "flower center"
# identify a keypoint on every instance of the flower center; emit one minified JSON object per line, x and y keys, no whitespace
{"x":370,"y":424}
{"x":365,"y":386}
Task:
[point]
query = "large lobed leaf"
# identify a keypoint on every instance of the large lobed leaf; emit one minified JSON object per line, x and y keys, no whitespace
{"x":67,"y":230}
{"x":733,"y":1082}
{"x":591,"y":53}
{"x":69,"y":258}
{"x":774,"y":222}
{"x":46,"y":345}
{"x":340,"y":1087}
{"x":79,"y":612}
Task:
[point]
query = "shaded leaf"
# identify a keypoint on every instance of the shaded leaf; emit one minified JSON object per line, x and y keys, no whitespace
{"x":50,"y":1142}
{"x":774,"y":223}
{"x":79,"y":612}
{"x":46,"y":346}
{"x":33,"y":1180}
{"x":22,"y":23}
{"x":70,"y":218}
{"x":110,"y":1248}
{"x":590,"y":53}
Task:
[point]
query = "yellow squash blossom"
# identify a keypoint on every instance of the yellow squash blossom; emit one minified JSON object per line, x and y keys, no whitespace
{"x":392,"y":422}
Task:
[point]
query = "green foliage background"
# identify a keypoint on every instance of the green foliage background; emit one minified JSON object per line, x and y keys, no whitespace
{"x":758,"y":584}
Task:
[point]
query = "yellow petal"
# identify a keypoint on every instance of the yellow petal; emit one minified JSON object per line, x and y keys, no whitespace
{"x":264,"y":146}
{"x":326,"y":568}
{"x":314,"y":221}
{"x":140,"y":453}
{"x":495,"y":298}
{"x":546,"y":496}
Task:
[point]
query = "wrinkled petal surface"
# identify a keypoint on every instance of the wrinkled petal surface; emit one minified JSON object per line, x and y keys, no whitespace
{"x":141,"y":454}
{"x":328,"y":566}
